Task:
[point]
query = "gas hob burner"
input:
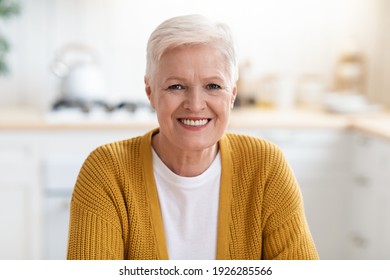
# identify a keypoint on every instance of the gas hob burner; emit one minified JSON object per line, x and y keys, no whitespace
{"x":90,"y":106}
{"x":100,"y":111}
{"x":83,"y":106}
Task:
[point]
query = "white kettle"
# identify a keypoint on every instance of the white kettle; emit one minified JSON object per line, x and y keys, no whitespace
{"x":80,"y":73}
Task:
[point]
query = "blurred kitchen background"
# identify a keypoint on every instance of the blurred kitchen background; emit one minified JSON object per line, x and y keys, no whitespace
{"x":314,"y":79}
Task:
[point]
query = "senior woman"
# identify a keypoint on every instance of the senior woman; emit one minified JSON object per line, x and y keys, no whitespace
{"x":188,"y":189}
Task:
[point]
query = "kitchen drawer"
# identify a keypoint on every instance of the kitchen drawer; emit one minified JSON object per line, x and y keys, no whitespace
{"x":13,"y":220}
{"x":60,"y":171}
{"x":56,"y":226}
{"x":18,"y":164}
{"x":366,"y":223}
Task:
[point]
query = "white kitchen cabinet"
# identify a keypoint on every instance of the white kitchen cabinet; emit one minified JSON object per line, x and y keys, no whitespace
{"x":382,"y":180}
{"x":20,"y":199}
{"x":320,"y":159}
{"x":363,"y":226}
{"x":38,"y":169}
{"x":13,"y":220}
{"x":385,"y":233}
{"x":369,"y":222}
{"x":62,"y":155}
{"x":56,"y":226}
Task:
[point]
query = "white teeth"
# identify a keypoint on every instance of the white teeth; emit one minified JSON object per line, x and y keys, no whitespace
{"x":194,"y":123}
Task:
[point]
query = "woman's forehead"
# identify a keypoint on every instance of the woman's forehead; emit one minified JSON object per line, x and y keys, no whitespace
{"x":202,"y":61}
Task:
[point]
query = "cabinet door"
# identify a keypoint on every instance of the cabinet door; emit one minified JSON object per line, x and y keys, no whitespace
{"x":382,"y":219}
{"x":369,"y":216}
{"x":381,"y":170}
{"x":62,"y":155}
{"x":57,"y":213}
{"x":363,"y":229}
{"x":13,"y":220}
{"x":19,"y":203}
{"x":382,"y":181}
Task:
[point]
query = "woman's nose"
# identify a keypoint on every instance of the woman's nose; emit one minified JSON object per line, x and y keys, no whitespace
{"x":195,"y":100}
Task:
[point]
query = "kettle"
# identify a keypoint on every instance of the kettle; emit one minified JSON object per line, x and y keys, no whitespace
{"x":81,"y":76}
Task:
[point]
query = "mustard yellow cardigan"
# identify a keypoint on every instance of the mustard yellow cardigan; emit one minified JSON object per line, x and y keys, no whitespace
{"x":115,"y":212}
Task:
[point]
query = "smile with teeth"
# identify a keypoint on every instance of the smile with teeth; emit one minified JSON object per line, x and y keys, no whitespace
{"x":194,"y":122}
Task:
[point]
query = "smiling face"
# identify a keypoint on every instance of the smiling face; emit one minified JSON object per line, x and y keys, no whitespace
{"x":192,"y":92}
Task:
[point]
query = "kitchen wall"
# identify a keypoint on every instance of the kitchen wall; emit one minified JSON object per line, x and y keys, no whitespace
{"x":383,"y":54}
{"x":279,"y":37}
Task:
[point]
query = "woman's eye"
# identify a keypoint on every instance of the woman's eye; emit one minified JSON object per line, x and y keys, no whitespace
{"x":176,"y":87}
{"x":213,"y":86}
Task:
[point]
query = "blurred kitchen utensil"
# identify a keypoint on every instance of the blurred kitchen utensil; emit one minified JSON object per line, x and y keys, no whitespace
{"x":310,"y":91}
{"x":81,"y":76}
{"x":350,"y":72}
{"x":349,"y":103}
{"x":268,"y":89}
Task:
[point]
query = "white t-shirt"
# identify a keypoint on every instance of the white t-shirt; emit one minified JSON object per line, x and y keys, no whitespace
{"x":189,"y":207}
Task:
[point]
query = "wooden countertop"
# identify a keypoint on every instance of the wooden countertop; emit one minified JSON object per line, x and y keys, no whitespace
{"x":294,"y":118}
{"x":376,"y":125}
{"x":244,"y":118}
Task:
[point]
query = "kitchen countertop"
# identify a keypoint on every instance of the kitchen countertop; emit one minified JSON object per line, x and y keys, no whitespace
{"x":374,"y":123}
{"x":377,"y":124}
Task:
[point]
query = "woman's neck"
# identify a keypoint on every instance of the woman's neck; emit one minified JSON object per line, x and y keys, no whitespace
{"x":184,"y":163}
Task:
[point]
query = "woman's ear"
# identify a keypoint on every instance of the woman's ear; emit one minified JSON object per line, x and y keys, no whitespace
{"x":234,"y":95}
{"x":148,"y":91}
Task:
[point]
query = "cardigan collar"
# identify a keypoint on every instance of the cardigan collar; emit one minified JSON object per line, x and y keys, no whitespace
{"x":224,"y":198}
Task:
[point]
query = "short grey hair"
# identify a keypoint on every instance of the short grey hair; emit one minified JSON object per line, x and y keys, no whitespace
{"x":191,"y":30}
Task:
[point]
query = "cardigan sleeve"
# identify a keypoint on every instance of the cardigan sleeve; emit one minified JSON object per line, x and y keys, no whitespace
{"x":95,"y":231}
{"x":286,"y":233}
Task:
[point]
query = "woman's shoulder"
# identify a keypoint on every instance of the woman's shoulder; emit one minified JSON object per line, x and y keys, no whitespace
{"x":250,"y":143}
{"x":131,"y":145}
{"x":116,"y":146}
{"x":246,"y":148}
{"x":116,"y":152}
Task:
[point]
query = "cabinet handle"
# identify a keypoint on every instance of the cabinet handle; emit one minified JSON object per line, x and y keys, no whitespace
{"x":364,"y":141}
{"x":65,"y":205}
{"x":362,"y":181}
{"x":359,"y":241}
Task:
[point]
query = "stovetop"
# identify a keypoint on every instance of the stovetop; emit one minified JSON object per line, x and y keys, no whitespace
{"x":76,"y":110}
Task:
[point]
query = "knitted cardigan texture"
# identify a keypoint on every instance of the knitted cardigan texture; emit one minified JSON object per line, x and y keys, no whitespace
{"x":115,"y":212}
